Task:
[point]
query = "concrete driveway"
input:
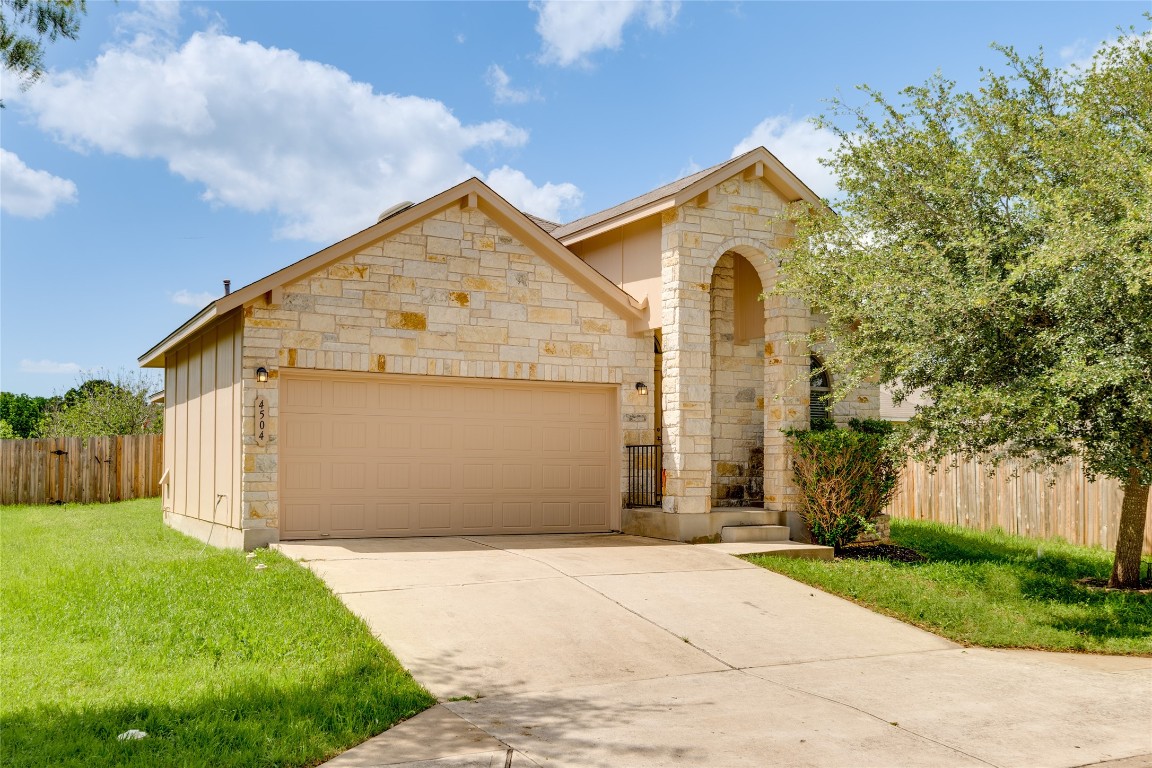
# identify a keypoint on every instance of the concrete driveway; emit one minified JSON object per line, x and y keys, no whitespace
{"x":607,"y":650}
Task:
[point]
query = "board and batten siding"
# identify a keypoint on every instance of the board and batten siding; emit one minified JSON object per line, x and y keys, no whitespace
{"x":202,"y":456}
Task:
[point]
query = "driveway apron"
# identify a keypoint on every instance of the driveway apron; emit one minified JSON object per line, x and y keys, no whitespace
{"x":609,"y":650}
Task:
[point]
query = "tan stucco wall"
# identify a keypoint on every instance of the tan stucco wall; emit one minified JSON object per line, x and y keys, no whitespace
{"x":453,"y":295}
{"x":202,"y":404}
{"x":629,"y":256}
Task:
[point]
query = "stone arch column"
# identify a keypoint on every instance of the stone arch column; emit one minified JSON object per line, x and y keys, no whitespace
{"x":786,"y":395}
{"x":686,"y":271}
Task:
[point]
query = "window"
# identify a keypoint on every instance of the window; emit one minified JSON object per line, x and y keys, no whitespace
{"x":820,"y":386}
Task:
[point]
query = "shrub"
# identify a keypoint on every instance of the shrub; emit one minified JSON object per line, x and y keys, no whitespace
{"x":845,"y":476}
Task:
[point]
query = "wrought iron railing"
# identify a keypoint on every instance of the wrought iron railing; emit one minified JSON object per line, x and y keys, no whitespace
{"x":645,"y":476}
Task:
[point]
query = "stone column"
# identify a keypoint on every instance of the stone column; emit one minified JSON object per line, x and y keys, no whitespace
{"x":786,"y":400}
{"x":687,"y":371}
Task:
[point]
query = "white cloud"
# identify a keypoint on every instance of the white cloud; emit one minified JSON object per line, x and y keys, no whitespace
{"x":150,"y":20}
{"x":548,"y":202}
{"x":502,"y":90}
{"x":28,"y":192}
{"x":1080,"y":53}
{"x":798,"y":144}
{"x":1077,"y":53}
{"x":573,"y":30}
{"x":47,"y":366}
{"x":262,"y":129}
{"x":196,"y":300}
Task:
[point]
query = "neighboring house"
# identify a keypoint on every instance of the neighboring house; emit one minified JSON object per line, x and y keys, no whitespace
{"x":463,"y":368}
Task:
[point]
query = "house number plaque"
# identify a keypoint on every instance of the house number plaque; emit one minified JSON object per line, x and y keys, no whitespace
{"x":261,"y":421}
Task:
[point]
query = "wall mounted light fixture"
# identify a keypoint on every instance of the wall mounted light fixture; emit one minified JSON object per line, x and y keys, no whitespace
{"x":641,"y":388}
{"x":261,"y":374}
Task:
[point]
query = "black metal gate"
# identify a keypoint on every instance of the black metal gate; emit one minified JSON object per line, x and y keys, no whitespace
{"x":645,"y":476}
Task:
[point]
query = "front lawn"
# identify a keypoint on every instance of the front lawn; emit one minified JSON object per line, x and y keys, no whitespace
{"x":990,"y":589}
{"x":110,"y":621}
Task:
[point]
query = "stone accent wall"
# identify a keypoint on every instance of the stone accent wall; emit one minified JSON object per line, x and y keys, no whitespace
{"x":747,"y":216}
{"x":737,"y":399}
{"x":453,"y":295}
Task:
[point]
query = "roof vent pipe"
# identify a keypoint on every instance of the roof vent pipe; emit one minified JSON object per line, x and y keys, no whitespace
{"x":227,"y":287}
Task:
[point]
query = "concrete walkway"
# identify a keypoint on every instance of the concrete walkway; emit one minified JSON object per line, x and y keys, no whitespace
{"x":603,"y":650}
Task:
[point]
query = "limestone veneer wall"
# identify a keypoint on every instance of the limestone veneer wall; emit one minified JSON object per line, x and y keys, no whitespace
{"x":453,"y":295}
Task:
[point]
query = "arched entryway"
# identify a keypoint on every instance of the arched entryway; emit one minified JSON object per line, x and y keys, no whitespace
{"x":737,"y":358}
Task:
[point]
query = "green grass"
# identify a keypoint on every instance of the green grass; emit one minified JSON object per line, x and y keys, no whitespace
{"x":990,"y":589}
{"x":110,"y":621}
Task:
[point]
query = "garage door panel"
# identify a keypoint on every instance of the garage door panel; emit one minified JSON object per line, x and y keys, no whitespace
{"x":592,"y":440}
{"x":479,"y":514}
{"x":434,"y":516}
{"x":557,"y":514}
{"x":395,"y":396}
{"x":516,"y":477}
{"x":394,"y":516}
{"x":347,"y":518}
{"x":348,"y":476}
{"x":436,"y":436}
{"x":349,"y":394}
{"x":592,"y":513}
{"x":479,"y":477}
{"x":303,"y":433}
{"x":395,"y":437}
{"x":349,"y":434}
{"x":556,"y":439}
{"x":303,"y":518}
{"x":435,"y":477}
{"x":367,"y":457}
{"x":556,"y":477}
{"x":592,"y":477}
{"x":302,"y":393}
{"x":516,"y":438}
{"x":394,"y":477}
{"x":302,"y":475}
{"x":478,"y":437}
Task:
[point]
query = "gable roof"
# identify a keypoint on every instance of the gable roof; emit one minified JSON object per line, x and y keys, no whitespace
{"x":470,"y":193}
{"x":762,"y":162}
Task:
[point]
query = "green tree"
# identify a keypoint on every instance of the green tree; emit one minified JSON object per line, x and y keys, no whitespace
{"x":22,"y":413}
{"x":106,"y":405}
{"x":25,"y":27}
{"x":995,"y":251}
{"x":6,"y":432}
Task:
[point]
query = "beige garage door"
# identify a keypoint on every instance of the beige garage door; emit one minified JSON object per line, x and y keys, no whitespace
{"x":422,"y":456}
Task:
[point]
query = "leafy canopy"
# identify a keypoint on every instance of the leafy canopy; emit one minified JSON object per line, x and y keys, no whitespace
{"x":993,"y":250}
{"x":25,"y":26}
{"x":106,"y":404}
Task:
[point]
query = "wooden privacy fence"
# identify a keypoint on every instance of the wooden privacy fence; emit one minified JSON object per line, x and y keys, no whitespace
{"x":1017,"y":499}
{"x":82,"y":470}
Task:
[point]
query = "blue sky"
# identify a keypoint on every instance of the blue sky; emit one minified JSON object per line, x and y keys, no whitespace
{"x":175,"y":145}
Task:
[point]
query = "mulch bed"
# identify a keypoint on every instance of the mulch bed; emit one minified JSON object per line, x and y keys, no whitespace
{"x":880,"y":551}
{"x":1102,"y":584}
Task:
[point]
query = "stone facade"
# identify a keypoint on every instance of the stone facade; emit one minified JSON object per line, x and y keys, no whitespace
{"x":451,"y":291}
{"x":453,"y":295}
{"x":704,"y":371}
{"x":746,"y":216}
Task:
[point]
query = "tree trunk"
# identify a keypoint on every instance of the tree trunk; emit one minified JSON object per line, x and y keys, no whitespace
{"x":1130,"y":536}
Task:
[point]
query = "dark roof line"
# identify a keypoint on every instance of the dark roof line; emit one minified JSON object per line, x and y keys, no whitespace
{"x":640,"y":201}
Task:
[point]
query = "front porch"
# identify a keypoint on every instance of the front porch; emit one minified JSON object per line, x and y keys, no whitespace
{"x":732,"y":374}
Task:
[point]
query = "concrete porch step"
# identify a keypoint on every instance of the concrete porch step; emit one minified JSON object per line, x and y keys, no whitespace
{"x":776,"y":548}
{"x":751,"y":515}
{"x":742,"y":533}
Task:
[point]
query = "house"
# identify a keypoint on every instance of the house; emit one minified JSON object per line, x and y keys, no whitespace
{"x":461,"y":367}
